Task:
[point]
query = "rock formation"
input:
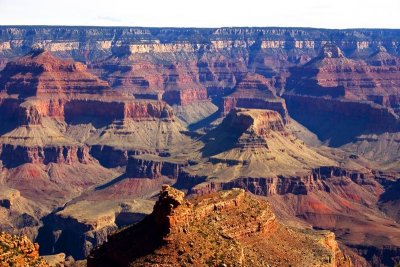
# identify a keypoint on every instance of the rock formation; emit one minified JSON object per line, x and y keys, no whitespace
{"x":257,"y":144}
{"x":176,"y":234}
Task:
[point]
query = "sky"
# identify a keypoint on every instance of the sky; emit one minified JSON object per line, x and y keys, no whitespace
{"x":337,"y":14}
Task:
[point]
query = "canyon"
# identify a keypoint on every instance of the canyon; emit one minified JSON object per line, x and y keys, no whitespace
{"x":95,"y":120}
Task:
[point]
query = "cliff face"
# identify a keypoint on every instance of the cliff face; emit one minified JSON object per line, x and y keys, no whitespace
{"x":104,"y":40}
{"x":110,"y":110}
{"x":153,"y":167}
{"x":17,"y":155}
{"x":175,"y":234}
{"x":316,"y":180}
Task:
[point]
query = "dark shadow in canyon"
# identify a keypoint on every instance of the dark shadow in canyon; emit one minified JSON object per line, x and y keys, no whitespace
{"x":337,"y":129}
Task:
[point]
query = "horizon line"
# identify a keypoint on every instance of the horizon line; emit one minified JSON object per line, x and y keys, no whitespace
{"x":194,"y":27}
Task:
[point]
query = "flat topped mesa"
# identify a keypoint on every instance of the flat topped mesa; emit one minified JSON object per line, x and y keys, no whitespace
{"x":244,"y":129}
{"x":255,"y":122}
{"x":41,"y":73}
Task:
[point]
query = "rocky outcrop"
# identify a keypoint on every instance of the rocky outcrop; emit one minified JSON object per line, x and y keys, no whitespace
{"x":31,"y":112}
{"x":19,"y":251}
{"x":66,"y":89}
{"x":382,"y":58}
{"x":176,"y":234}
{"x":255,"y":86}
{"x":260,"y":122}
{"x":29,"y":116}
{"x":251,"y":132}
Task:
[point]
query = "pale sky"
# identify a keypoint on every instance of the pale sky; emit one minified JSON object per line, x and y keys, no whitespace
{"x":204,"y":13}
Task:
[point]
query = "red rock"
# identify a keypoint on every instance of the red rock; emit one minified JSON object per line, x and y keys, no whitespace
{"x":16,"y":155}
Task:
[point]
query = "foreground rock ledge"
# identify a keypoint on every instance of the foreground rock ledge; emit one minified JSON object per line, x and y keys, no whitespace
{"x":228,"y":228}
{"x":19,"y":251}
